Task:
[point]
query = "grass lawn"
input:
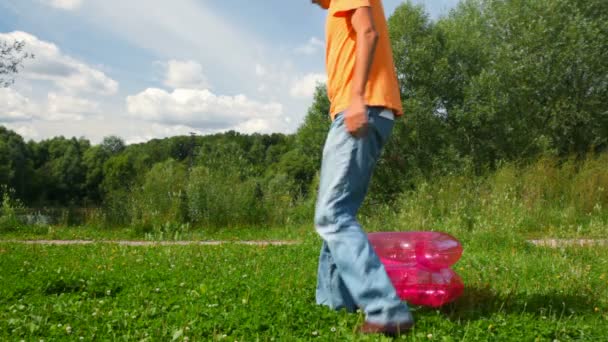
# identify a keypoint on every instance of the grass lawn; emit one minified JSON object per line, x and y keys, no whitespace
{"x":514,"y":292}
{"x":129,"y":233}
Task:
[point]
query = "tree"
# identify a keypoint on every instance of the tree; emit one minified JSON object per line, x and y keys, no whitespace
{"x":60,"y":171}
{"x":311,"y":135}
{"x":302,"y":162}
{"x":161,"y":197}
{"x":112,"y":145}
{"x":118,"y":173}
{"x":11,"y":58}
{"x":499,"y":81}
{"x":93,"y":160}
{"x":15,"y":164}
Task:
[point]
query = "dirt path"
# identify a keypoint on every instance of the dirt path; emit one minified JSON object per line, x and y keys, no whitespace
{"x":152,"y":243}
{"x":554,"y":243}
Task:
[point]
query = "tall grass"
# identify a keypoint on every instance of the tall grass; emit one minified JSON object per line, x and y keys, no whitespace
{"x":171,"y":196}
{"x":8,"y":206}
{"x":547,"y":196}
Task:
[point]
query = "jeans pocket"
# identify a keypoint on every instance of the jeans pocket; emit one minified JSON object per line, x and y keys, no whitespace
{"x":384,"y":127}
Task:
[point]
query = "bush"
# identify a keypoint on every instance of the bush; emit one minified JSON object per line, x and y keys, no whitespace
{"x":161,"y":198}
{"x":545,"y":196}
{"x":8,"y":216}
{"x":219,"y":198}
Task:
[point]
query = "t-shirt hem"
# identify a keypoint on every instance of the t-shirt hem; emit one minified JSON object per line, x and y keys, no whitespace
{"x":339,"y":109}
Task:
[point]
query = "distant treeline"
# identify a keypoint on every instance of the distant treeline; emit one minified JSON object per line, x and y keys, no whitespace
{"x":493,"y":82}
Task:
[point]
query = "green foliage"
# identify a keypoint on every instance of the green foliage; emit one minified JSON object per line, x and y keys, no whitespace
{"x":310,"y":137}
{"x":8,"y":207}
{"x":93,"y":161}
{"x":119,"y":173}
{"x":112,"y":145}
{"x":59,"y":170}
{"x":15,"y":163}
{"x":543,"y":198}
{"x":222,"y":199}
{"x":303,"y":161}
{"x":499,"y":81}
{"x":161,"y":199}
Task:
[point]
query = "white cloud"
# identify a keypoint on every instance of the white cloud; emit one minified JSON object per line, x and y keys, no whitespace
{"x":185,"y":74}
{"x":311,"y":47}
{"x":67,"y":73}
{"x":156,"y":131}
{"x":14,"y":106}
{"x":260,"y":70}
{"x":179,"y":29}
{"x":64,"y":4}
{"x":304,"y":87}
{"x":65,"y":107}
{"x":202,"y":109}
{"x":254,"y":126}
{"x":275,"y":79}
{"x":26,"y":132}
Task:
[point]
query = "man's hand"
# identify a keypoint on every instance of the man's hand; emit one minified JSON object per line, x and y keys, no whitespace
{"x":355,"y":117}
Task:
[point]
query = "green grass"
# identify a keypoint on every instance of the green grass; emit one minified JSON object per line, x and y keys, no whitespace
{"x":130,"y":233}
{"x":100,"y":292}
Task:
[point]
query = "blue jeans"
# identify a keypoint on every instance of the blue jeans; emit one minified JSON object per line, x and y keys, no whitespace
{"x":350,"y":274}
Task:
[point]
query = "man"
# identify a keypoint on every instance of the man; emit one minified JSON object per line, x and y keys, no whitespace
{"x":364,"y":95}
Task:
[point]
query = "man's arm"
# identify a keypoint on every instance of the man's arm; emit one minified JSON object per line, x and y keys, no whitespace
{"x":363,"y":24}
{"x":367,"y":37}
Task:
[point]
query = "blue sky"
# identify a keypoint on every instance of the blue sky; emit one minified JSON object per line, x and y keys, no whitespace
{"x":143,"y":69}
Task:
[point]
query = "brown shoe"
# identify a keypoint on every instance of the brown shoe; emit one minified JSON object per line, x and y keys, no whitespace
{"x":388,"y":329}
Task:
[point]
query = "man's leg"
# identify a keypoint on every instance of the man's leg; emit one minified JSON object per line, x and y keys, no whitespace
{"x":331,"y":290}
{"x":346,"y":170}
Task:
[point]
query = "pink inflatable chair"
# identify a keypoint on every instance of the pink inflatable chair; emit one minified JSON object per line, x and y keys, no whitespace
{"x":418,"y":264}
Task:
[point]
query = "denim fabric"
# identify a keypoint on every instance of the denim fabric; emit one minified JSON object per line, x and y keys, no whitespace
{"x":350,"y":274}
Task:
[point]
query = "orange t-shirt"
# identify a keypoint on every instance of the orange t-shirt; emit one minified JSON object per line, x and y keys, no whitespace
{"x":382,"y":88}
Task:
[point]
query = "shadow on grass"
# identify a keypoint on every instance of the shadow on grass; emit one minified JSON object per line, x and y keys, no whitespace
{"x":478,"y":303}
{"x":101,"y":289}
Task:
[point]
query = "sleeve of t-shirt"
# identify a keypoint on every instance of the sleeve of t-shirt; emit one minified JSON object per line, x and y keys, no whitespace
{"x":341,"y":8}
